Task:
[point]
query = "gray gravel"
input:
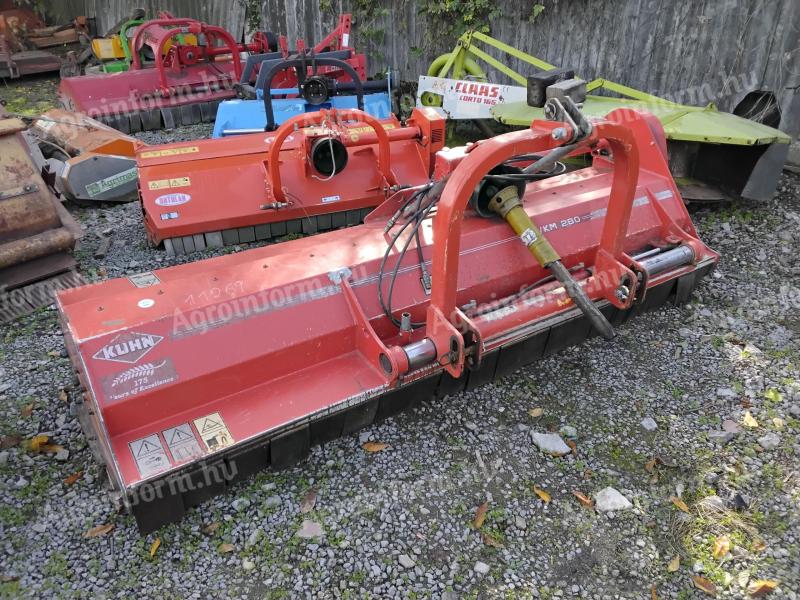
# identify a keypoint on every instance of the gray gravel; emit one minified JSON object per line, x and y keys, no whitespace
{"x":399,"y":523}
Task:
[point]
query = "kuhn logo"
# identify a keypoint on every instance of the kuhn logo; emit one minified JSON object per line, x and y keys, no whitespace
{"x":173,"y":199}
{"x":128,"y":348}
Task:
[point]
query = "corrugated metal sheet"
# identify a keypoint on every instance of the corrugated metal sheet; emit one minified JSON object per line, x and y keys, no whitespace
{"x":695,"y":52}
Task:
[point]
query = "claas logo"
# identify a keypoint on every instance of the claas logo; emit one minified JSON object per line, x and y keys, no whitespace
{"x":478,"y":89}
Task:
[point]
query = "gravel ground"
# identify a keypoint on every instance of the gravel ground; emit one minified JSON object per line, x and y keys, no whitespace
{"x":700,"y":404}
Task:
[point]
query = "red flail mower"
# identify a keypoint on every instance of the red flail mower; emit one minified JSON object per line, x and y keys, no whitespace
{"x":199,"y":375}
{"x":192,"y":67}
{"x":318,"y":171}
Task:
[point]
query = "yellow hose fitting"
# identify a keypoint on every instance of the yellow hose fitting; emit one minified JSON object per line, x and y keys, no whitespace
{"x":507,"y":204}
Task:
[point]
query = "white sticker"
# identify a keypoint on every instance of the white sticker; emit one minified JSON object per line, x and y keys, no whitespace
{"x":327,"y":199}
{"x":168,"y":216}
{"x":143,"y":280}
{"x":173,"y":199}
{"x":181,"y":443}
{"x":345,"y":39}
{"x":146,"y":303}
{"x":213,"y":432}
{"x":528,"y":237}
{"x":150,"y":456}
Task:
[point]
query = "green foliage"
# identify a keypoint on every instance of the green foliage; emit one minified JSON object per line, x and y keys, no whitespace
{"x":454,"y":17}
{"x":253,"y":11}
{"x":538,"y":8}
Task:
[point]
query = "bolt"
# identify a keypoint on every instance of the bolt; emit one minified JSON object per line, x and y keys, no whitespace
{"x":559,"y":133}
{"x":622,"y":293}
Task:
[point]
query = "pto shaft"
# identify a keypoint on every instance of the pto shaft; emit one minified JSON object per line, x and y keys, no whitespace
{"x":507,"y":205}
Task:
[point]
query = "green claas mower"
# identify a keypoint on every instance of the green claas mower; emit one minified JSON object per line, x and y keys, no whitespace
{"x":713,"y":155}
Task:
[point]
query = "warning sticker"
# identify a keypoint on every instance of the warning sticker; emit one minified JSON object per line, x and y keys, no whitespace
{"x":528,"y":237}
{"x":143,"y":280}
{"x":181,"y":443}
{"x":213,"y":432}
{"x":170,"y":152}
{"x":139,"y":379}
{"x":150,"y":456}
{"x":110,"y":183}
{"x":166,"y":184}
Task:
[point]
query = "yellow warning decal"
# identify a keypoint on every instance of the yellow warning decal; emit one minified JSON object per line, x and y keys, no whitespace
{"x":166,"y":184}
{"x":368,"y":129}
{"x":213,"y":432}
{"x":170,"y":152}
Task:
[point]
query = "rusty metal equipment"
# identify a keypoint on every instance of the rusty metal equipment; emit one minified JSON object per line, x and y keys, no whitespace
{"x":88,"y":162}
{"x":182,"y":83}
{"x":318,"y":171}
{"x":36,"y":233}
{"x":199,"y":375}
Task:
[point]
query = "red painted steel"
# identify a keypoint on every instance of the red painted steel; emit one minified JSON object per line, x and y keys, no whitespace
{"x":226,"y":182}
{"x":282,"y":335}
{"x":188,"y":74}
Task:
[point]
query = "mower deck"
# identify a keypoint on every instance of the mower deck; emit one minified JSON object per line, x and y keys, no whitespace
{"x":191,"y":201}
{"x":201,"y":374}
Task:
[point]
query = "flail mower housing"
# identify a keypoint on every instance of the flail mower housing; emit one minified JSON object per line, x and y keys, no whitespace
{"x":318,"y":171}
{"x":192,"y":67}
{"x":199,"y":375}
{"x":88,"y":162}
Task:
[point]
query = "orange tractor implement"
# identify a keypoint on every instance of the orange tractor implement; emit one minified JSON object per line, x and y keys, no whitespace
{"x":199,"y":375}
{"x":342,"y":163}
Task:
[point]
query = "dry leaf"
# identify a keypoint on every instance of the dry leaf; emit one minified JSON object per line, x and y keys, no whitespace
{"x":99,"y":531}
{"x":650,"y":465}
{"x":545,"y":497}
{"x":374,"y":446}
{"x":778,"y":423}
{"x":749,"y":421}
{"x":27,"y":410}
{"x":36,"y":442}
{"x":759,"y":546}
{"x":211,"y":528}
{"x":63,"y":396}
{"x":51,"y":448}
{"x":653,"y":593}
{"x":761,"y":587}
{"x":701,"y":583}
{"x":722,"y":545}
{"x":536,"y":412}
{"x":492,"y":541}
{"x":679,"y":503}
{"x":583,"y":499}
{"x":309,"y":500}
{"x":480,"y":515}
{"x":8,"y":578}
{"x":573,"y":445}
{"x":9,"y":441}
{"x":674,"y":564}
{"x":225,"y":548}
{"x":154,"y":547}
{"x":73,"y":478}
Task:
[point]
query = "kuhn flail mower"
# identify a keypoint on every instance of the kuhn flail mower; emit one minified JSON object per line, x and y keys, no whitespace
{"x":193,"y":67}
{"x":713,"y":155}
{"x":318,"y":171}
{"x":199,"y":375}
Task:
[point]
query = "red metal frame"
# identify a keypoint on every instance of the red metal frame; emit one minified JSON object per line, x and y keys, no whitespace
{"x":159,"y":32}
